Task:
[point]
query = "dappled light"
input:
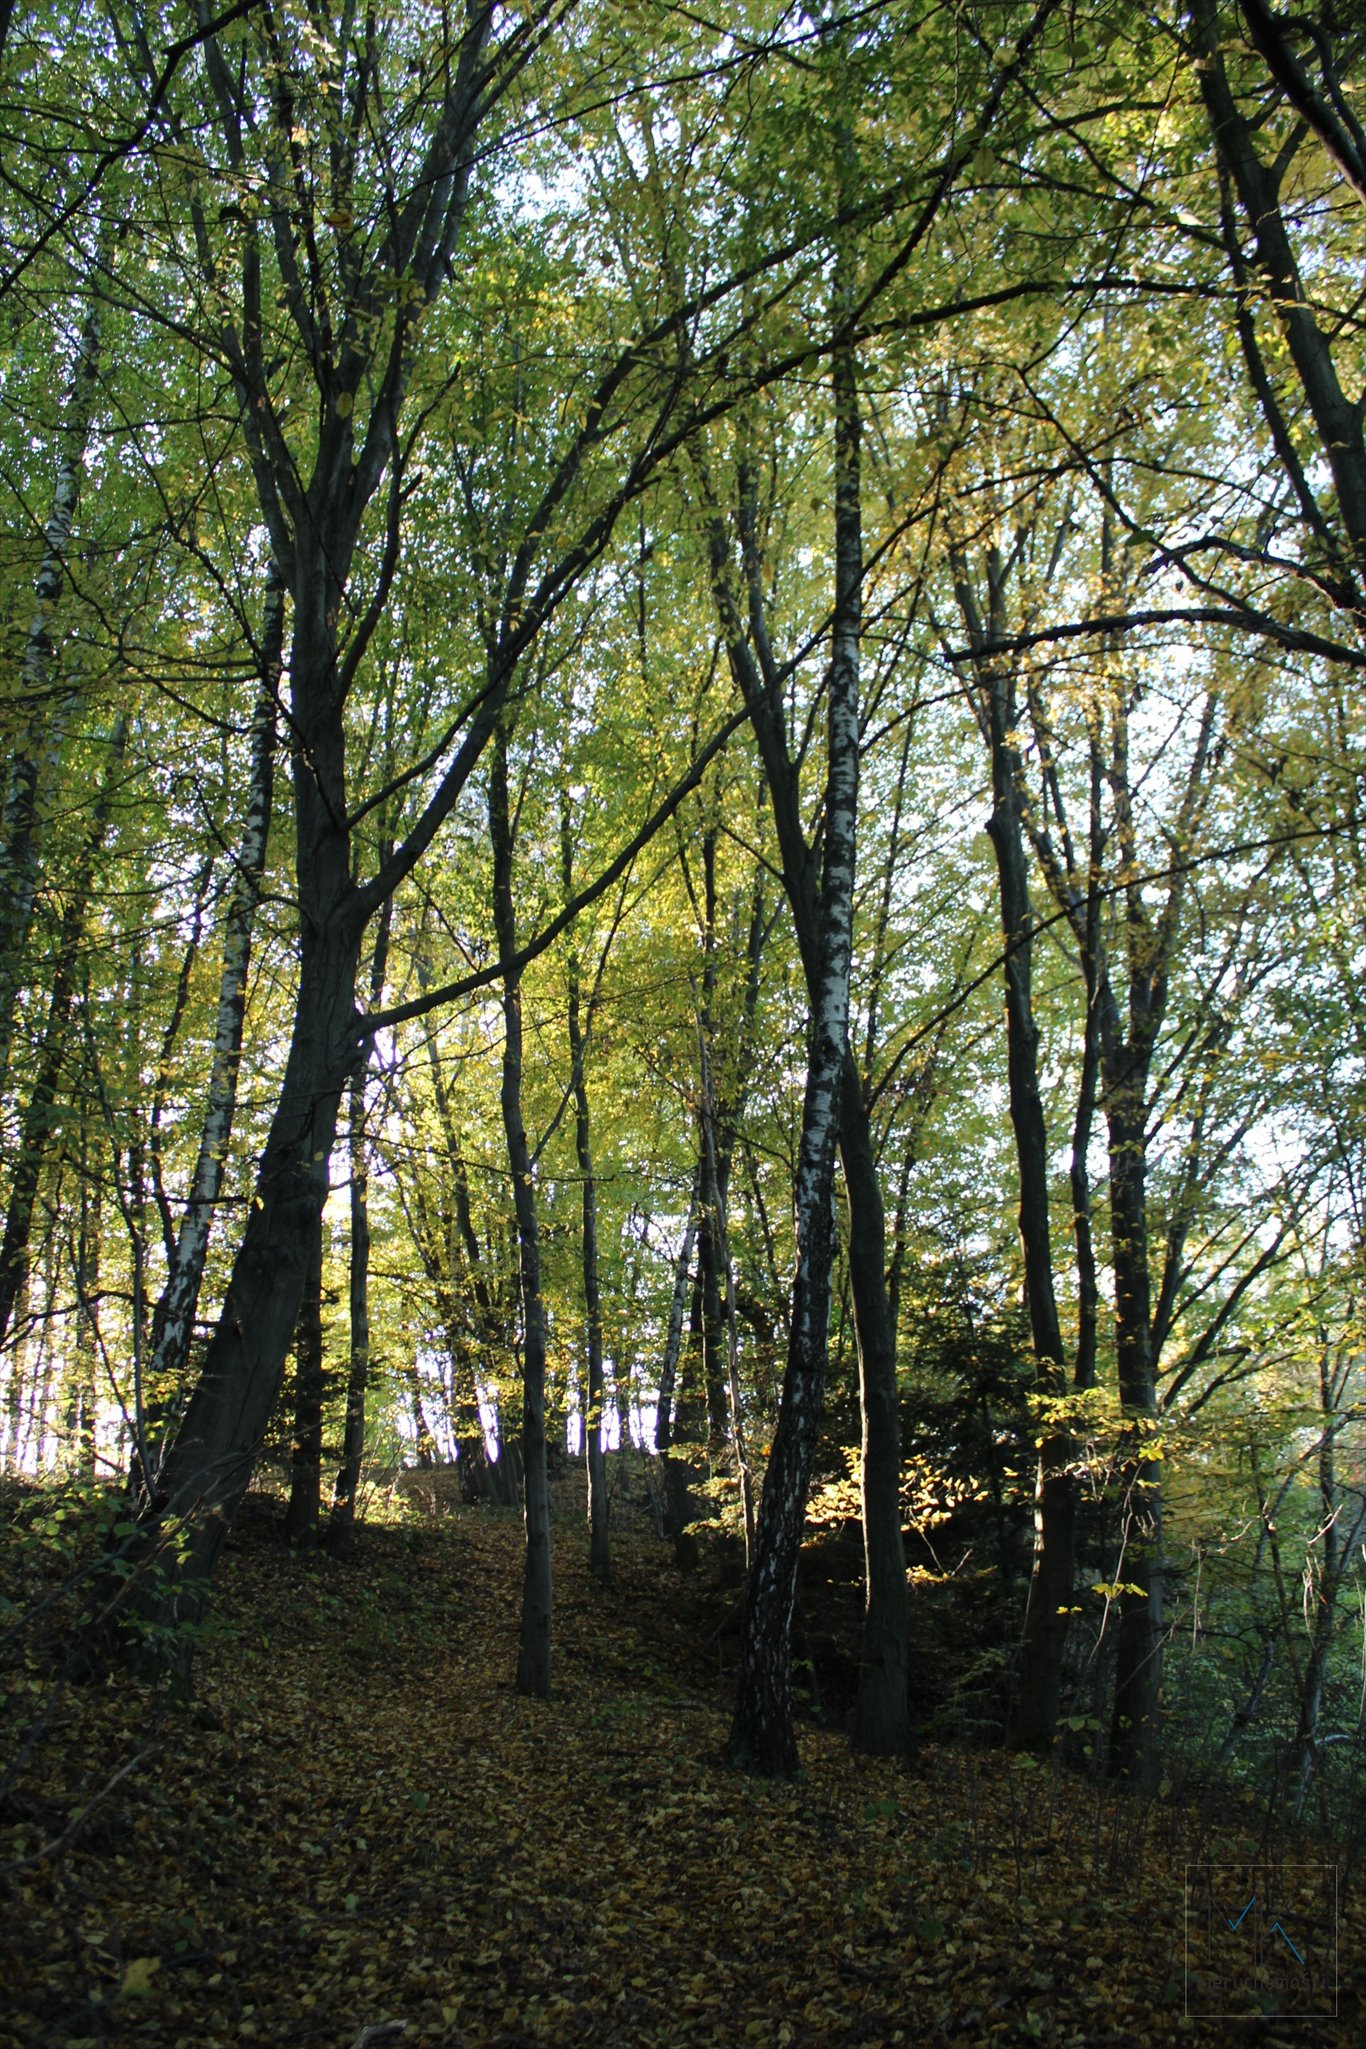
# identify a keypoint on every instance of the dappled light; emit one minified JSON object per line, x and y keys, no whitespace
{"x":682,"y":1021}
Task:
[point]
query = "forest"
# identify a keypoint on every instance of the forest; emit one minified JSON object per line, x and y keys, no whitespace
{"x":683,"y":917}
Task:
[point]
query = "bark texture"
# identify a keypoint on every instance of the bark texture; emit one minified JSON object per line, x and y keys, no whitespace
{"x":39,"y":691}
{"x":341,"y":1525}
{"x":882,"y":1719}
{"x":306,"y":1452}
{"x":595,"y":1459}
{"x":174,"y":1317}
{"x":762,"y":1739}
{"x":39,"y":1124}
{"x":1047,"y":1612}
{"x":533,"y":1649}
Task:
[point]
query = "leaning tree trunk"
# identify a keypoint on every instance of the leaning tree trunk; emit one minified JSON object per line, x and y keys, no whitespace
{"x":881,"y":1725}
{"x":361,"y":367}
{"x":533,"y":1652}
{"x":208,"y":1465}
{"x":174,"y":1316}
{"x":762,"y":1739}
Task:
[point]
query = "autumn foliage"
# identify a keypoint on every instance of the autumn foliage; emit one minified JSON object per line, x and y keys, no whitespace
{"x":357,"y":1832}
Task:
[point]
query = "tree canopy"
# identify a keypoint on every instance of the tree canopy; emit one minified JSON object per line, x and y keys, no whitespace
{"x":682,"y":714}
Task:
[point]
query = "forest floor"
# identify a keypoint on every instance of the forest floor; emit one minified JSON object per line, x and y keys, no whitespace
{"x":357,"y":1834}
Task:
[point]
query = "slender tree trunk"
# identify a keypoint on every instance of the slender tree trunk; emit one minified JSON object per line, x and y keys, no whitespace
{"x":1135,"y":1734}
{"x":533,"y":1654}
{"x":19,"y":847}
{"x":1088,"y":1283}
{"x":595,"y":1461}
{"x":424,"y":1444}
{"x":174,"y":1317}
{"x":1049,"y":1603}
{"x":87,"y":1359}
{"x":762,"y":1739}
{"x":600,"y":1556}
{"x":1121,"y":1048}
{"x":346,"y":1487}
{"x":881,"y":1722}
{"x":40,"y":1117}
{"x":673,"y":1343}
{"x":306,"y":1453}
{"x":719,"y":1335}
{"x":669,"y":1404}
{"x":1342,"y":1515}
{"x":341,"y":1527}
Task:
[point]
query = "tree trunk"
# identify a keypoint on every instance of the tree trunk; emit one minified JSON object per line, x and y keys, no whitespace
{"x":1049,"y":1602}
{"x":595,"y":1461}
{"x":882,"y":1721}
{"x":87,"y":1358}
{"x":174,"y":1317}
{"x":306,"y":1453}
{"x":1135,"y":1736}
{"x":1342,"y":1515}
{"x":40,"y":1117}
{"x":315,"y":526}
{"x":881,"y":1724}
{"x":762,"y":1739}
{"x":19,"y":850}
{"x":673,"y":1344}
{"x":533,"y":1653}
{"x":1308,"y":343}
{"x":668,"y":1409}
{"x":342,"y":1524}
{"x":719,"y":1333}
{"x":1121,"y":1047}
{"x":208,"y":1465}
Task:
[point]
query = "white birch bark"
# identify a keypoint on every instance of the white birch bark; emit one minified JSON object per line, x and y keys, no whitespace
{"x":42,"y":745}
{"x":761,"y":1737}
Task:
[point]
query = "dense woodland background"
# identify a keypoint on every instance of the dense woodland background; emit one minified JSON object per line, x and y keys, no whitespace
{"x":682,"y":716}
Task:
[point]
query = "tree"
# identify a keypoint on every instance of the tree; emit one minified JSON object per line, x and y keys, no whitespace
{"x":357,"y":325}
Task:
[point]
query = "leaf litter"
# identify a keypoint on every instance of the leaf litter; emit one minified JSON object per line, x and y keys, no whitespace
{"x":358,"y":1833}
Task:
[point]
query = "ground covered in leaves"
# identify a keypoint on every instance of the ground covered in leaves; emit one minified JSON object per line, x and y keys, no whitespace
{"x":357,"y":1833}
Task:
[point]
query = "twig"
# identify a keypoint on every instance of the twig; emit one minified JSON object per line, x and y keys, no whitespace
{"x":78,"y":1821}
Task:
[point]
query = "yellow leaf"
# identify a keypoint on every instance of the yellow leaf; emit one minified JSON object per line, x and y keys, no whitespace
{"x":138,"y":1976}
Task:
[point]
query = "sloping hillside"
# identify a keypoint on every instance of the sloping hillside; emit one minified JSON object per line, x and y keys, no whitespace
{"x":358,"y":1833}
